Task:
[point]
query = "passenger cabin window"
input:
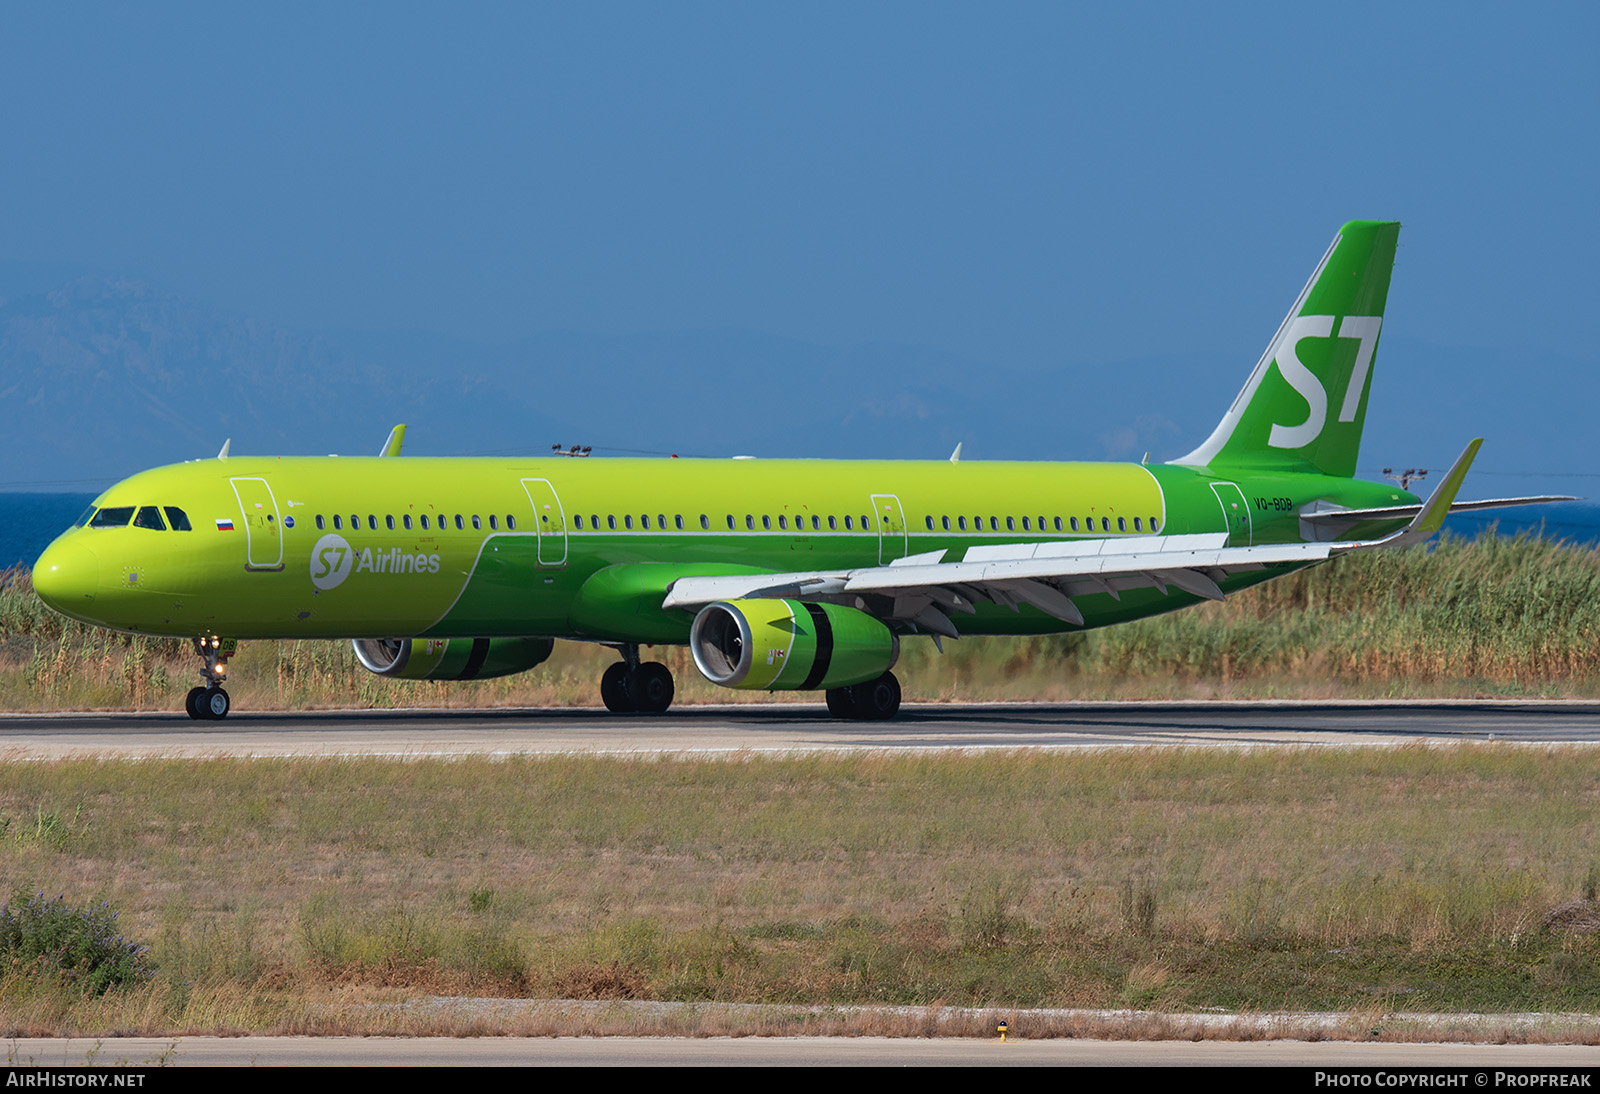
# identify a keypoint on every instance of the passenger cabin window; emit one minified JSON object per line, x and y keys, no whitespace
{"x":627,"y":521}
{"x":611,"y":522}
{"x":661,"y":521}
{"x":766,"y":522}
{"x":1058,"y":523}
{"x":1074,"y":523}
{"x":1122,"y":524}
{"x":320,"y":525}
{"x":594,"y":521}
{"x":730,"y":522}
{"x":1137,"y":527}
{"x":994,"y":524}
{"x":783,"y":522}
{"x":750,"y":522}
{"x":150,"y":517}
{"x":178,"y":519}
{"x":847,"y":524}
{"x":961,"y":523}
{"x":511,"y":522}
{"x":644,"y":521}
{"x":113,"y":517}
{"x":1105,"y":524}
{"x":1154,"y":524}
{"x":424,"y":520}
{"x":945,"y":523}
{"x":494,"y":525}
{"x":389,"y":520}
{"x":677,"y":521}
{"x":816,"y":523}
{"x":866,"y":523}
{"x":833,"y":524}
{"x":1025,"y":524}
{"x":577,"y":520}
{"x":372,"y":521}
{"x":405,"y":518}
{"x":1011,"y":524}
{"x":477,"y":522}
{"x":705,"y":523}
{"x":930,"y":523}
{"x":460,"y":524}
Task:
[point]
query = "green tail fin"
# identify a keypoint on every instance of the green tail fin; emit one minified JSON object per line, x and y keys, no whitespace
{"x":1304,"y":405}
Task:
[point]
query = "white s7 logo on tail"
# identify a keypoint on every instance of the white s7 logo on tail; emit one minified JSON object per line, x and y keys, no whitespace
{"x":1363,"y":328}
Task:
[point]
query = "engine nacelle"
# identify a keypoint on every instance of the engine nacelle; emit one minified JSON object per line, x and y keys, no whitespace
{"x":789,"y":645}
{"x":451,"y":658}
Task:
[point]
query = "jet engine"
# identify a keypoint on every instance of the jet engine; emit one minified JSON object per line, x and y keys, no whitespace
{"x":789,"y":645}
{"x":451,"y":658}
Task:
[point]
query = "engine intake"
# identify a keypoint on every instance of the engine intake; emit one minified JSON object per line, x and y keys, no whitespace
{"x":451,"y":658}
{"x":789,"y":645}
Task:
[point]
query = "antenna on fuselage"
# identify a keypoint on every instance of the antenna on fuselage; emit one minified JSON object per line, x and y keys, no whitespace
{"x":955,"y":457}
{"x":397,"y":436}
{"x":222,"y":455}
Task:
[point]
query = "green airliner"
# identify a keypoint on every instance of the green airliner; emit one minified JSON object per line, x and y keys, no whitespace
{"x":778,"y":574}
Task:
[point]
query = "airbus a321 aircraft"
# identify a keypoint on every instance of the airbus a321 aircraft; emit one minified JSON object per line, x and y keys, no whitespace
{"x":779,"y":574}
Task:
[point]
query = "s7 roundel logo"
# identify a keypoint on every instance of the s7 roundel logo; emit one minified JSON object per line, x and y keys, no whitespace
{"x":331,"y":560}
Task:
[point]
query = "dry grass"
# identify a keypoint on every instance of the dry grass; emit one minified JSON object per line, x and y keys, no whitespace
{"x":279,"y":894}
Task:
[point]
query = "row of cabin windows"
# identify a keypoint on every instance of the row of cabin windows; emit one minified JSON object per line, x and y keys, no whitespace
{"x":147,"y":516}
{"x":441,"y":522}
{"x":784,"y":522}
{"x":1069,"y":525}
{"x":959,"y":523}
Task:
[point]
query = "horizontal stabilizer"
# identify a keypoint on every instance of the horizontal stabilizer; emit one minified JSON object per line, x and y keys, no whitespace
{"x":1342,"y":517}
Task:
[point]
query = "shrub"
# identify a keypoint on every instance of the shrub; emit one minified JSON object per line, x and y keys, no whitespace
{"x":51,"y":939}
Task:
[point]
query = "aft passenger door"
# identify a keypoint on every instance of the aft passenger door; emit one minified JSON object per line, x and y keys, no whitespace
{"x":1235,"y":513}
{"x":263,"y":532}
{"x":891,"y":521}
{"x":549,"y":520}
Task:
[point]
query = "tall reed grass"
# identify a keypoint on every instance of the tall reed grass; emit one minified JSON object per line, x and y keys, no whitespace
{"x":1489,"y":616}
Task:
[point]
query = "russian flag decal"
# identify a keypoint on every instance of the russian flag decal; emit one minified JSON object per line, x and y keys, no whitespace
{"x":224,"y":524}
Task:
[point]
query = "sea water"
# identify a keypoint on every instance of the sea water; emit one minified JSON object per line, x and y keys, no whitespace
{"x":28,"y":522}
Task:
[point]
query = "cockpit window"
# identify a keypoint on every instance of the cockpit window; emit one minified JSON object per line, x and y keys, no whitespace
{"x":81,"y":521}
{"x":150,"y":517}
{"x":112,"y":517}
{"x":177,"y":518}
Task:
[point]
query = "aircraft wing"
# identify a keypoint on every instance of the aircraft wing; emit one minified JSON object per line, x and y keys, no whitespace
{"x":924,"y":590}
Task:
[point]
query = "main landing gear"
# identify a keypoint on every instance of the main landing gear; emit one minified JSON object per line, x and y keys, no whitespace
{"x":874,"y":701}
{"x":210,"y":703}
{"x":630,"y":687}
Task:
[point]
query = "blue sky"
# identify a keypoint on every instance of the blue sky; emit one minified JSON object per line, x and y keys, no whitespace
{"x":1044,"y":187}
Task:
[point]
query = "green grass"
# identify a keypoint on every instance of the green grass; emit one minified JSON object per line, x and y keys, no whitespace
{"x":1414,"y":879}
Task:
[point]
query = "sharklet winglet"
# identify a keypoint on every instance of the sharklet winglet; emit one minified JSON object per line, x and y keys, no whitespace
{"x":1431,"y":518}
{"x":397,"y":436}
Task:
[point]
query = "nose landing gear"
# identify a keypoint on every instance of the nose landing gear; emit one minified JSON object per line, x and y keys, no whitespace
{"x":210,"y":702}
{"x":630,"y":687}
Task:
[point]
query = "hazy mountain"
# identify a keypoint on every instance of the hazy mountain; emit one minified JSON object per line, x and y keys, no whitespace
{"x":102,"y":375}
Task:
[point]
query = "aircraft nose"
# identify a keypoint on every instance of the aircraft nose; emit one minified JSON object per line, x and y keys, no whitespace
{"x":67,"y":576}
